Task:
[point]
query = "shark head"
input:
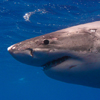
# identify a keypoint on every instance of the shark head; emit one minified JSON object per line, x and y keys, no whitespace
{"x":62,"y":51}
{"x":54,"y":48}
{"x":51,"y":49}
{"x":46,"y":50}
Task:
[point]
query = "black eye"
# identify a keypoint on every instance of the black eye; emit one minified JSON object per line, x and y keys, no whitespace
{"x":46,"y":42}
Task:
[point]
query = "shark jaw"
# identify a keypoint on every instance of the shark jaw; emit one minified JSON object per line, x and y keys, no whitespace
{"x":45,"y":58}
{"x":55,"y":62}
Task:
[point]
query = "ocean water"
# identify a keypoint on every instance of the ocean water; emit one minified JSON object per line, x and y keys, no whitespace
{"x":24,"y":19}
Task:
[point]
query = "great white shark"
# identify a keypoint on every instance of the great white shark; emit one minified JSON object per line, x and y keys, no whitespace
{"x":71,"y":55}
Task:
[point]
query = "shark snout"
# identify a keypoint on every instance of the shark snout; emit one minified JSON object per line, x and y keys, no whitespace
{"x":16,"y":51}
{"x":10,"y":49}
{"x":22,"y":55}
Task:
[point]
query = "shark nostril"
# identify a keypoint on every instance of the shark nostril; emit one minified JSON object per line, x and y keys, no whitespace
{"x":31,"y":51}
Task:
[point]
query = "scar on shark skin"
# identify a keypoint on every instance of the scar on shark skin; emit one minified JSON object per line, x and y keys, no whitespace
{"x":72,"y":66}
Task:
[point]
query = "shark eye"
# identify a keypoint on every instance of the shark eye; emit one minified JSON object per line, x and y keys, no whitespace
{"x":46,"y":42}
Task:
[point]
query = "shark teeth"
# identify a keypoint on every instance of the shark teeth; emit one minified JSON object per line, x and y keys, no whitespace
{"x":55,"y":62}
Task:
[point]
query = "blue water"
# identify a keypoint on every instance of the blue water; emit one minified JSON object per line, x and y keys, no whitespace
{"x":24,"y":19}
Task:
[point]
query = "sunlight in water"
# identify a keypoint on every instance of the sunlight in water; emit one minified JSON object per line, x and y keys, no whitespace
{"x":27,"y":15}
{"x":21,"y":79}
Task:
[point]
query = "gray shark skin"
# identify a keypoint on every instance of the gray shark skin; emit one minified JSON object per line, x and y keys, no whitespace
{"x":71,"y":55}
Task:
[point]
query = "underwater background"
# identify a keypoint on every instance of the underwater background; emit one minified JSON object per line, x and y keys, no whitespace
{"x":24,"y":19}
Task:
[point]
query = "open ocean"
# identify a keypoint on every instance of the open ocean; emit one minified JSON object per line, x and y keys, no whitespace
{"x":24,"y":19}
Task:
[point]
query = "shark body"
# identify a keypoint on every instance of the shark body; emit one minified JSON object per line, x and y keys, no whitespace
{"x":71,"y":55}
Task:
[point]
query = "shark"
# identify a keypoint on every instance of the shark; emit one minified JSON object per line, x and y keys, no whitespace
{"x":70,"y":55}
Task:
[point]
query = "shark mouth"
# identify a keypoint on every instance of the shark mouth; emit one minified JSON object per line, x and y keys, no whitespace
{"x":55,"y":62}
